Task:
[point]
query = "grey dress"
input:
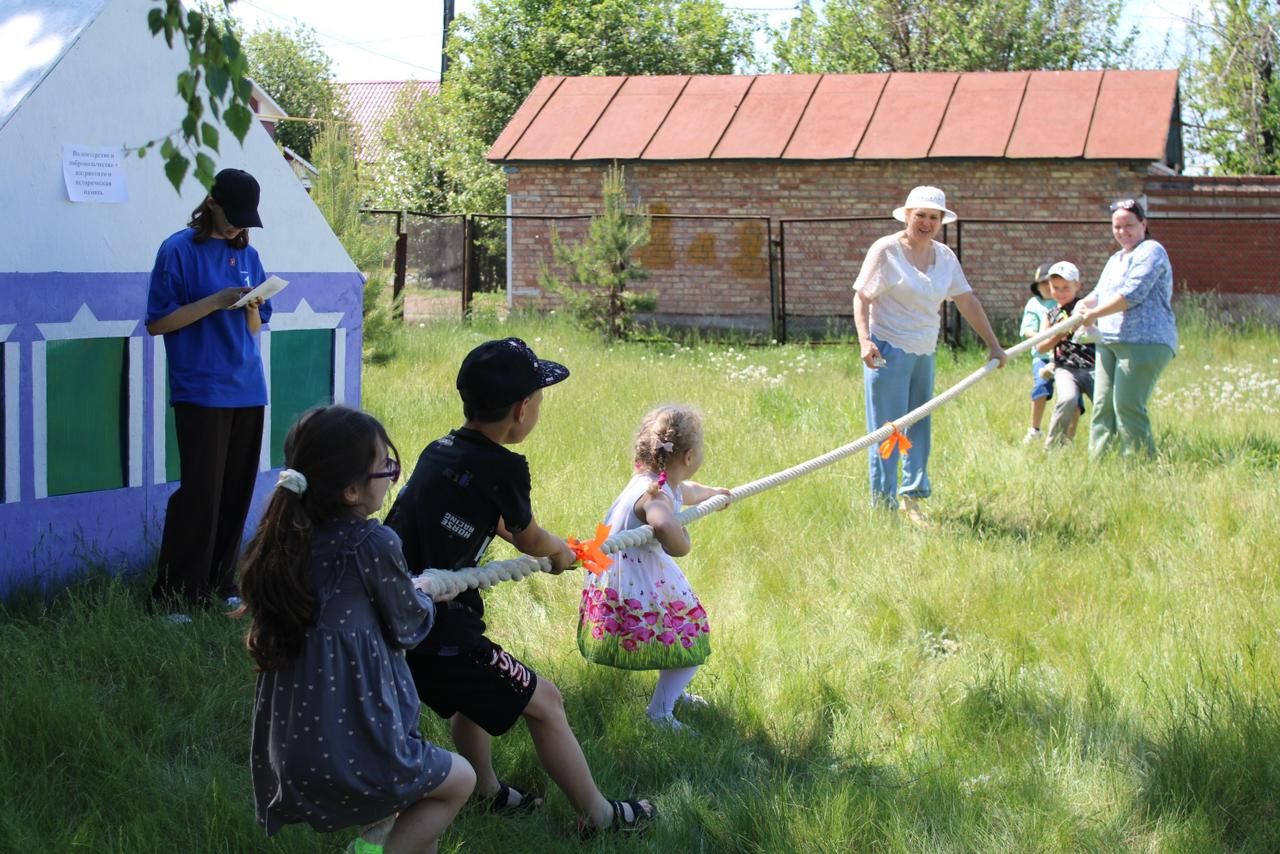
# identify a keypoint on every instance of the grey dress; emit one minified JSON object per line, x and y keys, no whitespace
{"x":335,"y":731}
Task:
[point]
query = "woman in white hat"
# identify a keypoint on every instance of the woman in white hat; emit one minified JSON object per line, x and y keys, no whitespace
{"x":904,"y":280}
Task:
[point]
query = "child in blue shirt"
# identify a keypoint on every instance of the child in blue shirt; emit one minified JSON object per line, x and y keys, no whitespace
{"x":1035,"y":318}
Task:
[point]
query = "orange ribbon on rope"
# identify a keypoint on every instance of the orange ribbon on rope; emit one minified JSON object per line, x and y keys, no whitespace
{"x":897,"y":440}
{"x":589,"y":554}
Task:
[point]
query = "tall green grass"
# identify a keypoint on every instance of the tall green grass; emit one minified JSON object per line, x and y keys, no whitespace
{"x":1075,"y":657}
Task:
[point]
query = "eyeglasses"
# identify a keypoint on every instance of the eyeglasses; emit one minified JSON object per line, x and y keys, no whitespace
{"x":392,"y":472}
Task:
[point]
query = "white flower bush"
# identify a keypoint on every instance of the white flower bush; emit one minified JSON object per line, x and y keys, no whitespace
{"x":1227,"y":389}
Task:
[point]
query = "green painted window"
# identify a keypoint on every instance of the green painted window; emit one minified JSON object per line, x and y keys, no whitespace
{"x":87,"y":406}
{"x":301,"y":377}
{"x":172,"y":459}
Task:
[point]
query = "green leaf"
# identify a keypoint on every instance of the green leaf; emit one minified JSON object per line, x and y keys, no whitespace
{"x":189,"y":127}
{"x":209,"y":135}
{"x":216,"y":80}
{"x":155,"y":20}
{"x":204,"y":169}
{"x":237,"y":118}
{"x":195,"y":25}
{"x":175,"y":169}
{"x":167,"y":149}
{"x":186,"y":85}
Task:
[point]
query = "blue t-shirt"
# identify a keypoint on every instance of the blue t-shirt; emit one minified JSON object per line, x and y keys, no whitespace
{"x":213,"y":362}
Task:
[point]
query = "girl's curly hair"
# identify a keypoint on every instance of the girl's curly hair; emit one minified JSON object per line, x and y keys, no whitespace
{"x":666,"y":432}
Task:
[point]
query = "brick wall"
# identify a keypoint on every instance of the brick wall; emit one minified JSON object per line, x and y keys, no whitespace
{"x":718,"y":270}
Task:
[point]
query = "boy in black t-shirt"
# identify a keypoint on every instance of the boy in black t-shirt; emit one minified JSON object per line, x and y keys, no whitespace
{"x":465,"y":488}
{"x":1072,"y":359}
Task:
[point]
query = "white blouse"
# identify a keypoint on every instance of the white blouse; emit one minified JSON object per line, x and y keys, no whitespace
{"x":905,"y":300}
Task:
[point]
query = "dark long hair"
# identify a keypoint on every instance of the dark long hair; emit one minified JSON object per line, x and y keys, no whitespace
{"x":202,"y":221}
{"x":333,"y":447}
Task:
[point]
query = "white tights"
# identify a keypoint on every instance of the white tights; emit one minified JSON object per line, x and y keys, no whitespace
{"x":671,"y":684}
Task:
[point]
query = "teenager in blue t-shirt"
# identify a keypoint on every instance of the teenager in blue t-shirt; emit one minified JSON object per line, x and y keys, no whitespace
{"x":216,"y":386}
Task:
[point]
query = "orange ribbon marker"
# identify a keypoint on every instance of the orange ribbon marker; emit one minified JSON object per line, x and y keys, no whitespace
{"x":897,"y":439}
{"x":593,"y":560}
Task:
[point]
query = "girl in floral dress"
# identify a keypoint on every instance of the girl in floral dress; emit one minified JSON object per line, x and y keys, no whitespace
{"x":641,"y":613}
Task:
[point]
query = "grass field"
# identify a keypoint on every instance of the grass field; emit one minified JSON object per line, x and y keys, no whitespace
{"x":1076,"y":657}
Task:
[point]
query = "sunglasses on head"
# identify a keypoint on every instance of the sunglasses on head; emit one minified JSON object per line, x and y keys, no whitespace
{"x":1131,"y":205}
{"x":392,"y":470}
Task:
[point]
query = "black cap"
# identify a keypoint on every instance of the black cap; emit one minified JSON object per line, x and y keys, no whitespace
{"x":500,"y":373}
{"x":1041,"y":275}
{"x":236,"y":192}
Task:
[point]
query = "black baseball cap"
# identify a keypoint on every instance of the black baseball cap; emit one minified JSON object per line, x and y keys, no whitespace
{"x":1041,"y":275}
{"x":237,"y":193}
{"x":500,"y":373}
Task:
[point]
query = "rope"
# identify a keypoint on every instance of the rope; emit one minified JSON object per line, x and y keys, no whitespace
{"x":438,"y":582}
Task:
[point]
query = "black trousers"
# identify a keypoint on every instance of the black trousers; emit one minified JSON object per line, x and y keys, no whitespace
{"x":204,"y":523}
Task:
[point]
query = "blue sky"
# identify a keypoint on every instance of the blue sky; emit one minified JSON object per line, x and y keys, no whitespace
{"x":400,"y":39}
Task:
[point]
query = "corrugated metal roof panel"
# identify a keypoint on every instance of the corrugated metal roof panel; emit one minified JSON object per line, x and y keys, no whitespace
{"x":1057,"y":110}
{"x":538,"y":97}
{"x":1131,"y":119}
{"x":567,"y":117}
{"x":698,"y":119}
{"x":906,"y":121}
{"x":767,"y":117}
{"x":980,"y":115}
{"x":836,"y":117}
{"x":1122,"y":115}
{"x":631,"y":119}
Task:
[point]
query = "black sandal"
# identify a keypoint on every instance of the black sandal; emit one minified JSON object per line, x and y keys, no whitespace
{"x":501,"y":804}
{"x":640,"y":819}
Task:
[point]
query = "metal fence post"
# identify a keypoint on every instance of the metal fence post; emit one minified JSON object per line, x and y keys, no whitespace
{"x":778,"y":281}
{"x":468,"y":260}
{"x":401,"y":265}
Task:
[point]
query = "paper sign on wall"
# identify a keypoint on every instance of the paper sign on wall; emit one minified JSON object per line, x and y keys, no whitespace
{"x":94,"y":174}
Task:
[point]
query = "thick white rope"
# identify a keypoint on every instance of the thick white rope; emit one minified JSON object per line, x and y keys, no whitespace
{"x":441,"y":582}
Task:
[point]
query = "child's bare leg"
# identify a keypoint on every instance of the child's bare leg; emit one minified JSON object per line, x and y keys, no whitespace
{"x":417,"y":830}
{"x":1037,"y":411}
{"x":561,"y":755}
{"x":477,"y":746}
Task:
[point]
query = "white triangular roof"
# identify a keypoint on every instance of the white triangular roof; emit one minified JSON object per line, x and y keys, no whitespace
{"x":34,"y":35}
{"x":93,"y":75}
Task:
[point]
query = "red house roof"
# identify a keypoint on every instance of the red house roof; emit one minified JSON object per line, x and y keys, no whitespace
{"x":1097,"y":115}
{"x":370,"y":104}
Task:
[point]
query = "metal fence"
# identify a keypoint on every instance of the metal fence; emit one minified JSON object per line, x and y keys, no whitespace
{"x":793,"y":277}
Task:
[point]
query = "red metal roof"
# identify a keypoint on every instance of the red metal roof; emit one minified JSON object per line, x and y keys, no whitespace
{"x":1118,"y":115}
{"x":370,"y":104}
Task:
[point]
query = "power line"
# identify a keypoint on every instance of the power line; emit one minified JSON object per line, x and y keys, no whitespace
{"x":341,"y":41}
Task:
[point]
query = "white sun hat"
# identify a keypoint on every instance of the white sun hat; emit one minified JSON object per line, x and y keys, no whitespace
{"x":926,"y":197}
{"x":1065,"y":270}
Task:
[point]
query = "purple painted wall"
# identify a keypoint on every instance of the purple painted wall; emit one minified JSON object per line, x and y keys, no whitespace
{"x":50,"y":540}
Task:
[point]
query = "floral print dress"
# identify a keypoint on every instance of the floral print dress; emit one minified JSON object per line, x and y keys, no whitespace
{"x":641,"y":614}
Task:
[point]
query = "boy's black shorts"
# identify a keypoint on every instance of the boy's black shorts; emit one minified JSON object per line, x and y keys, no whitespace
{"x":485,"y":683}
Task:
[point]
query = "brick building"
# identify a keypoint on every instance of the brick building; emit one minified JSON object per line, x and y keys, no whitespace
{"x":812,"y":165}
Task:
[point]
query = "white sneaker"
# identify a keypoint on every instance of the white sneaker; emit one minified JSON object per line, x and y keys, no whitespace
{"x":1033,"y":435}
{"x":669,"y":722}
{"x":693,"y":701}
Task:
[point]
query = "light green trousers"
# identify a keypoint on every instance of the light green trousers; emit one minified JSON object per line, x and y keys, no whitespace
{"x":1126,"y":376}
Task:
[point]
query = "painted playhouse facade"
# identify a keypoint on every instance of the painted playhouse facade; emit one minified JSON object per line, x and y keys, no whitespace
{"x":89,"y":454}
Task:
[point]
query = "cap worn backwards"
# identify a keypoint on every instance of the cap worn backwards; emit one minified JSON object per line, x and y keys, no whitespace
{"x":500,"y":373}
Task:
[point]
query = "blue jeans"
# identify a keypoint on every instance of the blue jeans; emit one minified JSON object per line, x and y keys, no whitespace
{"x":904,"y":383}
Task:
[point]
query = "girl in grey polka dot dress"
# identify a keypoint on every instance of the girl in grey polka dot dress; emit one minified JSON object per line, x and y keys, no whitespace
{"x":335,"y":718}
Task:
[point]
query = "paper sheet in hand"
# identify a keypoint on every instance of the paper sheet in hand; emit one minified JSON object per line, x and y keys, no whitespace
{"x":272,"y":286}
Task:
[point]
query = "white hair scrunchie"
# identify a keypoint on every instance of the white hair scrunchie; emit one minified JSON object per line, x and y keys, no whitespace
{"x":667,"y":446}
{"x":294,"y":481}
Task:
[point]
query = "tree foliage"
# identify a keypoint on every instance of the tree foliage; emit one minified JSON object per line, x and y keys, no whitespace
{"x":602,"y":265}
{"x":213,"y":87}
{"x":435,"y":148}
{"x":338,"y":193}
{"x":1233,"y":86}
{"x":854,"y":36}
{"x":293,"y":68}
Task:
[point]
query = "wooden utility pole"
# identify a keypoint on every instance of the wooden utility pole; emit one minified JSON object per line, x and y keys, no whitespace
{"x":444,"y":38}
